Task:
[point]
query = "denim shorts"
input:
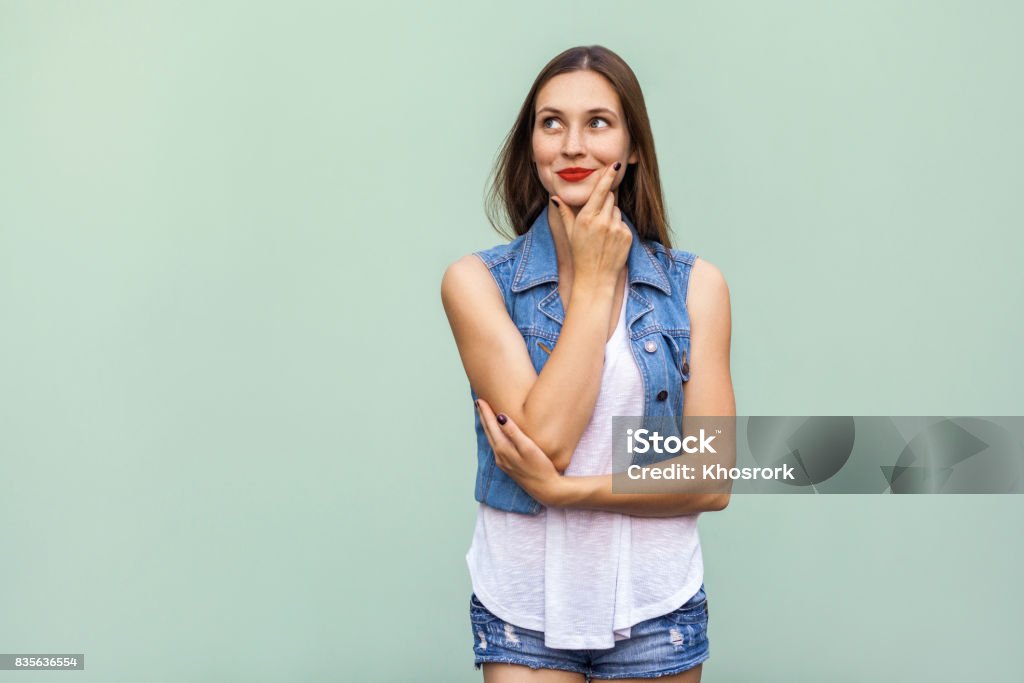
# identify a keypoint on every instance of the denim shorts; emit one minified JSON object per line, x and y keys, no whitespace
{"x":661,"y":646}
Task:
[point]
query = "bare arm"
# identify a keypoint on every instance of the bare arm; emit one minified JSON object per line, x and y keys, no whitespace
{"x":554,"y":407}
{"x":708,"y":392}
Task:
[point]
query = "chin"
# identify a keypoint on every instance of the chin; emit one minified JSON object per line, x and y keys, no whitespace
{"x":575,"y":198}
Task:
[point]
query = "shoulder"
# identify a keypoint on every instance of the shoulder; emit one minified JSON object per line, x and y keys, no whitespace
{"x":700,"y":276}
{"x":707,"y":280}
{"x":708,"y":295}
{"x":471,"y":269}
{"x":701,"y":282}
{"x":474,"y":291}
{"x":464,"y":274}
{"x":467,"y":290}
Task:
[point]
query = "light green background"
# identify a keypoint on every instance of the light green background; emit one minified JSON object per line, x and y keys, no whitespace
{"x":235,"y":434}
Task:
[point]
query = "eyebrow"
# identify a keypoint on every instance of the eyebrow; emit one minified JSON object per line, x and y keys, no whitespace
{"x":598,"y":110}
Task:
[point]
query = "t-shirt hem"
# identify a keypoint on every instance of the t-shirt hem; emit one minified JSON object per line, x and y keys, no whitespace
{"x":657,"y":609}
{"x":663,"y":607}
{"x":580,"y":643}
{"x":496,"y":608}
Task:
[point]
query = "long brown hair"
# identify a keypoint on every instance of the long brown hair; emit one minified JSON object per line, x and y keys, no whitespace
{"x":516,"y":196}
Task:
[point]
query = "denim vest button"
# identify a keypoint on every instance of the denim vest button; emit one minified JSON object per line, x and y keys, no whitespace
{"x":686,"y":368}
{"x":662,"y":395}
{"x":650,"y":347}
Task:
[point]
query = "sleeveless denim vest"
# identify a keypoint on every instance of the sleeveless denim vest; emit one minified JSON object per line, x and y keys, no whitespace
{"x":526,"y":270}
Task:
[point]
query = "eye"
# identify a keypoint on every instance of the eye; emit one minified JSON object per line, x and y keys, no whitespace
{"x":544,"y":123}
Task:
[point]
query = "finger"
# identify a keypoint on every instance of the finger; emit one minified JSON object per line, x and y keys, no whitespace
{"x":484,"y":422}
{"x":568,"y":220}
{"x":491,"y":428}
{"x":502,"y":449}
{"x":606,"y":208}
{"x":518,"y":438}
{"x":604,"y":184}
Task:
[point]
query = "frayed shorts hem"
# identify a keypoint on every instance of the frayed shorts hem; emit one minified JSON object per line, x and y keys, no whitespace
{"x":657,"y":647}
{"x":526,"y":661}
{"x":535,"y":664}
{"x":653,"y":674}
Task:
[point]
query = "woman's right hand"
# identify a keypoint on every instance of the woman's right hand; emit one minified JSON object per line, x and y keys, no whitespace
{"x":598,"y":237}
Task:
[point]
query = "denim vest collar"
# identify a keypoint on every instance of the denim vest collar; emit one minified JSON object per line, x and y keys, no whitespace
{"x":539,"y":265}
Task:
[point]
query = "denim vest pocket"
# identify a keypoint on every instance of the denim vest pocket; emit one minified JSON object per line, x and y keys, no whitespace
{"x":540,"y":343}
{"x":677,"y":348}
{"x":659,"y":353}
{"x":679,"y":345}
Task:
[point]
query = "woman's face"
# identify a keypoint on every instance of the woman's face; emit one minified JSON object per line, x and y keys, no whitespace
{"x":579,"y":124}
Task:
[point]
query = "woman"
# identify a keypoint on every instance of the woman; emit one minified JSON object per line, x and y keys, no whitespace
{"x":586,"y":314}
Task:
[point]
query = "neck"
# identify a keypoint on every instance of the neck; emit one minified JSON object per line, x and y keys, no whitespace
{"x":563,"y":250}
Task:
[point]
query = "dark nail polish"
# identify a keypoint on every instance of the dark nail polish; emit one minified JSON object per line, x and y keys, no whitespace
{"x":618,"y":165}
{"x":555,"y":201}
{"x":502,"y":419}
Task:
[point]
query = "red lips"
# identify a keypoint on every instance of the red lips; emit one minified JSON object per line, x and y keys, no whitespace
{"x":574,"y":174}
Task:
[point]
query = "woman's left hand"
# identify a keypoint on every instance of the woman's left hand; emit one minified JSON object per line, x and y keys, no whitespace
{"x":520,"y":458}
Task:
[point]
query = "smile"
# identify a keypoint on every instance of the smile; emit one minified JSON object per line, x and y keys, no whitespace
{"x":574,"y":175}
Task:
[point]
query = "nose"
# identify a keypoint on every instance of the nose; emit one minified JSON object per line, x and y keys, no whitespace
{"x":572,"y":143}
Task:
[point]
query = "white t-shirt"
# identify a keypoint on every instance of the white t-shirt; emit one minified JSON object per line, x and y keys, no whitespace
{"x":584,"y":577}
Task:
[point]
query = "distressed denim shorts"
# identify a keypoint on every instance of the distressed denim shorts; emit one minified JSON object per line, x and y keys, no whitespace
{"x":661,"y":646}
